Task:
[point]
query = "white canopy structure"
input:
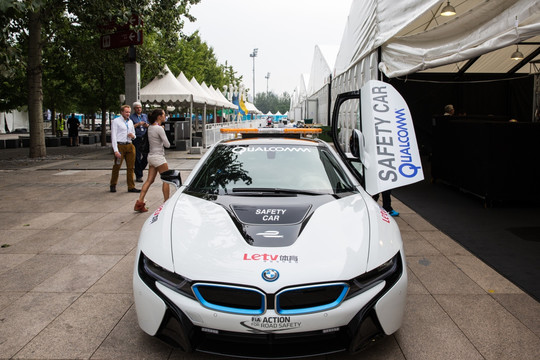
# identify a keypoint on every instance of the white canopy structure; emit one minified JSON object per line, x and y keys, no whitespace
{"x":210,"y":100}
{"x":212,"y":95}
{"x":251,"y":108}
{"x":229,"y":105}
{"x":13,"y":120}
{"x":322,"y":67}
{"x":198,"y":97}
{"x":164,"y":88}
{"x":399,"y":38}
{"x":413,"y":36}
{"x":298,"y":99}
{"x":219,"y":96}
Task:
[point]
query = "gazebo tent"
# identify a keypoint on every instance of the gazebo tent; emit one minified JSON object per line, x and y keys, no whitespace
{"x":209,"y":100}
{"x":211,"y":94}
{"x":164,"y":88}
{"x":198,"y":97}
{"x":13,"y":120}
{"x":412,"y":36}
{"x":252,"y":109}
{"x":404,"y":38}
{"x":433,"y":60}
{"x":226,"y":103}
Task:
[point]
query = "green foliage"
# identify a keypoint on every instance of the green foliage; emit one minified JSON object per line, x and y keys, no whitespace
{"x":197,"y":59}
{"x":77,"y":74}
{"x":272,"y":102}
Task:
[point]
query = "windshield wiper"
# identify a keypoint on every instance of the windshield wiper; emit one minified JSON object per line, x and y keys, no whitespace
{"x":275,"y":191}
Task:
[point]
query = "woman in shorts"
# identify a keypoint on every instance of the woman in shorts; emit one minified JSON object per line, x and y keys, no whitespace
{"x":156,"y":157}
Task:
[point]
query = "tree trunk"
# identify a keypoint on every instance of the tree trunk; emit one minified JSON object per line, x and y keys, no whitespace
{"x":35,"y":91}
{"x":103,"y":125}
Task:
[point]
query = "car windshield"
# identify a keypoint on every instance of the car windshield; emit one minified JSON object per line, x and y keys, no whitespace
{"x":271,"y":169}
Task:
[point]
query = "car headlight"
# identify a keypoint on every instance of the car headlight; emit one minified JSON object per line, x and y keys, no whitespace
{"x":388,"y":271}
{"x":151,"y":272}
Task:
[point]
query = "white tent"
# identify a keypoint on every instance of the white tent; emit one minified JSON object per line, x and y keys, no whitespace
{"x":219,"y":96}
{"x":321,"y":68}
{"x":198,"y":97}
{"x":252,"y":109}
{"x":165,"y":88}
{"x":298,"y":99}
{"x":412,"y":36}
{"x":211,"y":94}
{"x":13,"y":120}
{"x":210,"y":100}
{"x":400,"y":38}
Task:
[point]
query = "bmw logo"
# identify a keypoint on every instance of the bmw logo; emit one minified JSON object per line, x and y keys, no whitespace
{"x":270,"y":275}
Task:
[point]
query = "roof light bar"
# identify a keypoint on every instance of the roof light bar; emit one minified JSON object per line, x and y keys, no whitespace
{"x":271,"y":130}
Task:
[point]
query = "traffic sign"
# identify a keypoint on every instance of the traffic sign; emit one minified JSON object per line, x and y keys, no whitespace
{"x":133,"y":21}
{"x":121,"y":39}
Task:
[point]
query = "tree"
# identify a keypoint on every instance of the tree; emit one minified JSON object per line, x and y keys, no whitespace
{"x":197,"y":59}
{"x":27,"y":27}
{"x":272,"y":102}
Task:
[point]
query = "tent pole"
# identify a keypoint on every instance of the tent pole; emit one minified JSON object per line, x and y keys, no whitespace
{"x":379,"y":58}
{"x":190,"y":125}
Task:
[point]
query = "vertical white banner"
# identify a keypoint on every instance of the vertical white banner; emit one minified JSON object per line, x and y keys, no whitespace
{"x":390,"y":150}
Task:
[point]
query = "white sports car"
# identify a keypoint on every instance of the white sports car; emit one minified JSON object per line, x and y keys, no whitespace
{"x":272,"y":249}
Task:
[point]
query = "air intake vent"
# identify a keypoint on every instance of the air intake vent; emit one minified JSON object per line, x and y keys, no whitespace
{"x":231,"y":299}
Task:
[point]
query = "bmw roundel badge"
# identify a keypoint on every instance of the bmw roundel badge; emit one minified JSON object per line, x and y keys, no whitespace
{"x":270,"y":275}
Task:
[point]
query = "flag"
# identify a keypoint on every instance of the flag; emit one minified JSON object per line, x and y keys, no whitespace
{"x":242,"y":104}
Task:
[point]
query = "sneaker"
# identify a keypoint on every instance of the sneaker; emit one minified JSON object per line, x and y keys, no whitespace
{"x":113,"y":188}
{"x":393,"y":213}
{"x":134,"y":190}
{"x":139,"y":179}
{"x":140,"y":206}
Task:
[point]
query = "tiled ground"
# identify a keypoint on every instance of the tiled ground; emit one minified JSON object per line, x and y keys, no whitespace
{"x":67,"y":256}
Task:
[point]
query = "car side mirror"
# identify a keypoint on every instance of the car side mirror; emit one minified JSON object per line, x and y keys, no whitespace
{"x":357,"y":146}
{"x":354,"y":143}
{"x":172,"y":177}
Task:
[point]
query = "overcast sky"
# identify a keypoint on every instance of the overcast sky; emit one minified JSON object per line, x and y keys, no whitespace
{"x":284,"y":31}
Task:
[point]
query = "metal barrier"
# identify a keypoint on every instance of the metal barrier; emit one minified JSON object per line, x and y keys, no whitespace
{"x":213,"y":133}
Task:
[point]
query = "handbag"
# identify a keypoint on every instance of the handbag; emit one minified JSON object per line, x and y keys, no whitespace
{"x":145,"y":144}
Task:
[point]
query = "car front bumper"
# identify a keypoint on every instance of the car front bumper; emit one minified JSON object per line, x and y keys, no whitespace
{"x":356,"y":323}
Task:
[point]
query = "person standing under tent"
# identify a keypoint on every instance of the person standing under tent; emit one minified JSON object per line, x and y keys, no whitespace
{"x":122,"y":133}
{"x":140,"y":122}
{"x":60,"y":123}
{"x":73,"y":130}
{"x":156,"y":157}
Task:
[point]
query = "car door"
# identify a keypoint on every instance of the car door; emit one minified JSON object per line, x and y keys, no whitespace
{"x":373,"y":132}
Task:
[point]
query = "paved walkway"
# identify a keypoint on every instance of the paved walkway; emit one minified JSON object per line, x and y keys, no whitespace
{"x":66,"y":260}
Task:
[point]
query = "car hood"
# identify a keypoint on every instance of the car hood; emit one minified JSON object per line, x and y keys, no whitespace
{"x":209,"y":245}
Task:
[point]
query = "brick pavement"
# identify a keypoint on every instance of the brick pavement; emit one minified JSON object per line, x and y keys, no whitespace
{"x":66,"y":261}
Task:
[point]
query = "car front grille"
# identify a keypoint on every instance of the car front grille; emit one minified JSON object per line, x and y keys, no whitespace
{"x":290,"y":301}
{"x":230,"y":299}
{"x":309,"y":299}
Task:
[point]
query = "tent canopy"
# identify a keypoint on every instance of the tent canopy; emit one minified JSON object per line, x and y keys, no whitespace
{"x":414,"y":37}
{"x":198,"y":97}
{"x":321,"y":68}
{"x":165,"y":88}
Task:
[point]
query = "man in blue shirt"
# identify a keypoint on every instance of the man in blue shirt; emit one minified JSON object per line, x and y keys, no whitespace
{"x":122,"y":134}
{"x":140,"y":122}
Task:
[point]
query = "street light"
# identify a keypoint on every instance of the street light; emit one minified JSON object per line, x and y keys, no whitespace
{"x":254,"y":55}
{"x":267,"y":77}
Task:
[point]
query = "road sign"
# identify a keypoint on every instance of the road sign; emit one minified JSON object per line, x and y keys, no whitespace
{"x":134,"y":20}
{"x":121,"y":39}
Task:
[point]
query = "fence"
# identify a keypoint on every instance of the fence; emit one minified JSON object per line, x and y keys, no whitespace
{"x":212,"y":132}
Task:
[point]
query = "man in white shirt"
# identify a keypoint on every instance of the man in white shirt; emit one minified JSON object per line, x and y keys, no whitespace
{"x":122,"y":133}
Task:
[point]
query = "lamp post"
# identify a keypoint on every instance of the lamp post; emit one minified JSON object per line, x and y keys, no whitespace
{"x":254,"y":55}
{"x":267,"y":77}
